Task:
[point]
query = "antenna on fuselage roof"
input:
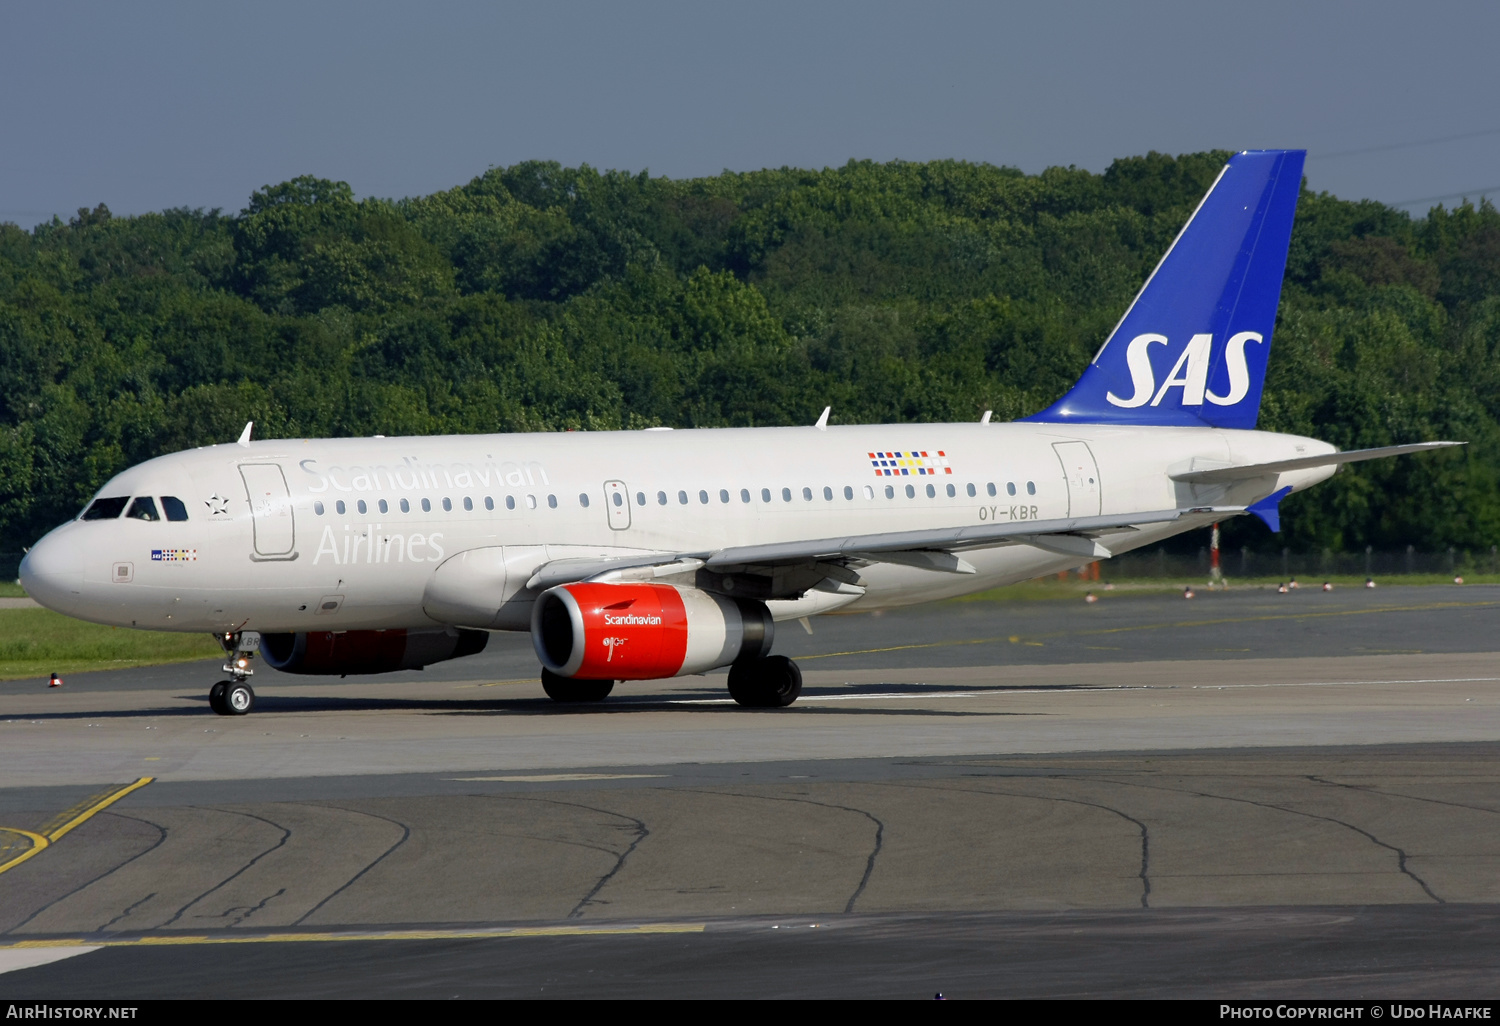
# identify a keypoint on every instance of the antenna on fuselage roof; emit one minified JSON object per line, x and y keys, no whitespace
{"x":822,"y":424}
{"x":245,"y":434}
{"x":986,"y":418}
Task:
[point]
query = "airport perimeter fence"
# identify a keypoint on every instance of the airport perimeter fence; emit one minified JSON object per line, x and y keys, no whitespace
{"x":1285,"y":564}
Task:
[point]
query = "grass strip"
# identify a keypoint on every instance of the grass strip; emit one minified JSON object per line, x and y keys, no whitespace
{"x":38,"y":642}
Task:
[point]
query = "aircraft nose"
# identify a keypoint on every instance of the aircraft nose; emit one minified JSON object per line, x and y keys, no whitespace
{"x":52,"y":572}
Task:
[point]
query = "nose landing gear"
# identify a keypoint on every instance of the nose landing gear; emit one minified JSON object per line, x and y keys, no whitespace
{"x":235,"y":697}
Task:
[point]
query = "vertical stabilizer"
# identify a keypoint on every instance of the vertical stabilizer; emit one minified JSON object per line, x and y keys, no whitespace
{"x":1192,"y":348}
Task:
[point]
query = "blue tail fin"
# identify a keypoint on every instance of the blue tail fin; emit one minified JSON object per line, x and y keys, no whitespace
{"x":1192,"y":348}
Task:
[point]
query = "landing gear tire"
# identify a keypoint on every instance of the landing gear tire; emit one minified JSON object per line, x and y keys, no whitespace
{"x":566,"y":689}
{"x":238,"y":699}
{"x":216,"y":698}
{"x":770,"y":683}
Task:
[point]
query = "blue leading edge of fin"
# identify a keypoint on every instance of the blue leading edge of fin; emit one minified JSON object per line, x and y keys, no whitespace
{"x":1191,"y":350}
{"x":1268,"y":509}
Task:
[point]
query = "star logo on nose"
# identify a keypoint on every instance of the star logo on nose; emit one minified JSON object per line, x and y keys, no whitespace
{"x":218,"y":506}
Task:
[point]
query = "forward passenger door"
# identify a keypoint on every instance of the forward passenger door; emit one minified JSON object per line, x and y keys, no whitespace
{"x":617,"y":503}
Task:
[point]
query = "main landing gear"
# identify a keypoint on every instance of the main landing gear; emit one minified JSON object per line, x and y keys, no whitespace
{"x":566,"y":689}
{"x":769,"y":683}
{"x":235,"y":697}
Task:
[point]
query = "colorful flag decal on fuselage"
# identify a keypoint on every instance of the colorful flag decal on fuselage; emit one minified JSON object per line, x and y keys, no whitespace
{"x":912,"y":462}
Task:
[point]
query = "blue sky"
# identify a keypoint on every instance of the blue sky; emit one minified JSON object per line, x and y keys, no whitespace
{"x":150,"y":105}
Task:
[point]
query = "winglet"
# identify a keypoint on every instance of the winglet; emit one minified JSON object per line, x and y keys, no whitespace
{"x":822,"y":424}
{"x":1267,"y":509}
{"x":986,"y":418}
{"x":245,"y":434}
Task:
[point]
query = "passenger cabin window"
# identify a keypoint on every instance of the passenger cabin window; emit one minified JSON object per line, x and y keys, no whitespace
{"x":970,"y":488}
{"x":143,"y":508}
{"x":1030,"y":487}
{"x":890,"y":491}
{"x":869,"y":492}
{"x":551,"y":502}
{"x":469,"y":503}
{"x":827,"y":494}
{"x":703,"y":497}
{"x":786,"y":495}
{"x":1010,"y":488}
{"x":682,"y":498}
{"x":384,"y":506}
{"x":931,"y":492}
{"x":849,"y":492}
{"x":176,"y":511}
{"x":510,"y":502}
{"x":362,"y":507}
{"x":317,"y":507}
{"x":911,"y":491}
{"x":724,"y":495}
{"x":990,"y":488}
{"x":807,"y":494}
{"x":406,"y":506}
{"x":954,"y":491}
{"x":489,"y":503}
{"x":105,"y":509}
{"x":661,"y":498}
{"x":640,"y":498}
{"x":583,"y":499}
{"x":447,"y":505}
{"x":426,"y":506}
{"x":765,"y":495}
{"x":744,"y":495}
{"x":531,"y":502}
{"x":340,"y":507}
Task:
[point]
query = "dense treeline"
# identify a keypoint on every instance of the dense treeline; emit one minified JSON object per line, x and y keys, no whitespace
{"x":538,"y":297}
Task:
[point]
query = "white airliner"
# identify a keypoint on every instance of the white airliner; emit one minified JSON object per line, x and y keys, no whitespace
{"x":643,"y":555}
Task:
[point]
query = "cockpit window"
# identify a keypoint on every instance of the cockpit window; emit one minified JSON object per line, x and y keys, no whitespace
{"x":143,"y":508}
{"x":105,"y":509}
{"x":172,"y":506}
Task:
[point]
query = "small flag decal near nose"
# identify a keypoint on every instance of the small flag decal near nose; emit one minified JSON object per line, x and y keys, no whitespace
{"x":909,"y":463}
{"x":174,"y":555}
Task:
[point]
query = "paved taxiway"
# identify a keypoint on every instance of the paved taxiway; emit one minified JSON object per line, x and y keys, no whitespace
{"x":1277,"y":791}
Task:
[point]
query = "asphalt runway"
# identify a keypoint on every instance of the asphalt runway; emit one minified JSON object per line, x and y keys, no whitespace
{"x":1245,"y":795}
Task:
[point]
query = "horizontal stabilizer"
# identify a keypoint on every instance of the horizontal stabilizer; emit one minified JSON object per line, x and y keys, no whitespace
{"x":1225,"y":474}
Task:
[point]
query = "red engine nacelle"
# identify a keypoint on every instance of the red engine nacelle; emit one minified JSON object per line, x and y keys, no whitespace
{"x":644,"y":631}
{"x":367,"y":651}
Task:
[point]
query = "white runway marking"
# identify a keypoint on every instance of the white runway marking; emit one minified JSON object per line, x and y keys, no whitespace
{"x":12,"y":959}
{"x":1064,"y":689}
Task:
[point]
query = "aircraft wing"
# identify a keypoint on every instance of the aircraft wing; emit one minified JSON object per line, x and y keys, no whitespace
{"x":935,"y":549}
{"x":1224,"y":474}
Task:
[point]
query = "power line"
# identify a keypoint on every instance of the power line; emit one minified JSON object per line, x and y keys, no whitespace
{"x":1479,"y":193}
{"x":1404,"y":145}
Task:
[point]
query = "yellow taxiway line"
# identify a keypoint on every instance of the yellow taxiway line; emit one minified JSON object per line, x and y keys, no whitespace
{"x":42,"y":841}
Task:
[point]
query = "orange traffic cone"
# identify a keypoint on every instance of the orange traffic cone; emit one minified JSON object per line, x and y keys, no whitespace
{"x":55,"y":682}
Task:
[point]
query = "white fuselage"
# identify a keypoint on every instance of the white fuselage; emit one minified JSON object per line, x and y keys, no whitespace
{"x":363,"y":524}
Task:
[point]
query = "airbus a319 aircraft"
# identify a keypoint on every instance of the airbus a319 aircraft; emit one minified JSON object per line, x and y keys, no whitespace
{"x":658,"y":553}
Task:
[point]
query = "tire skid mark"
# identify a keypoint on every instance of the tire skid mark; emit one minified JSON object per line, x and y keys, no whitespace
{"x":864,"y":881}
{"x":285,"y":834}
{"x":1400,"y":854}
{"x":641,"y":833}
{"x":1145,"y":871}
{"x":405,"y":834}
{"x":161,"y":836}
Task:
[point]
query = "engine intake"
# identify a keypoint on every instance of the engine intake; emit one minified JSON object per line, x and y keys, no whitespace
{"x":343,"y":652}
{"x":644,"y":631}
